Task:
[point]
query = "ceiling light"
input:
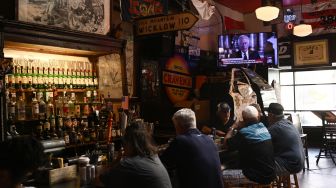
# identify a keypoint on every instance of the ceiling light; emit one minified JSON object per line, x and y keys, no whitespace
{"x":267,"y":13}
{"x":302,"y":30}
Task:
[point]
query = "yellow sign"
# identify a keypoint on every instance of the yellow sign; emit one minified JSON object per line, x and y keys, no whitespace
{"x":160,"y":24}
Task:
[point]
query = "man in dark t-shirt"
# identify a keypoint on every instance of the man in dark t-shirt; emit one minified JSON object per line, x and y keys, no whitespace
{"x":254,"y":144}
{"x":192,"y":154}
{"x":288,"y":149}
{"x":222,"y":122}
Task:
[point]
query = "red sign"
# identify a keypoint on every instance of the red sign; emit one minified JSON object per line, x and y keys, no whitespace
{"x":133,"y":9}
{"x":179,"y":80}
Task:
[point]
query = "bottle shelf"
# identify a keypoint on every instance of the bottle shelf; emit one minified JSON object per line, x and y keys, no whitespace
{"x":50,"y":90}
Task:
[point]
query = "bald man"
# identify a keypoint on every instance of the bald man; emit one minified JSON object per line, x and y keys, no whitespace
{"x":253,"y":141}
{"x":244,"y":51}
{"x":192,"y":154}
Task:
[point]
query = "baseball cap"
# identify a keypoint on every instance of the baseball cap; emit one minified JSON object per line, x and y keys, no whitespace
{"x":276,"y":109}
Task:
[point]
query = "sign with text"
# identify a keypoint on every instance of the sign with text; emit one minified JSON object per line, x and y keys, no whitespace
{"x":133,"y":9}
{"x":173,"y":22}
{"x":177,"y":79}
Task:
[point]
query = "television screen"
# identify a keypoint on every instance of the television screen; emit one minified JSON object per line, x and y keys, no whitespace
{"x":248,"y":48}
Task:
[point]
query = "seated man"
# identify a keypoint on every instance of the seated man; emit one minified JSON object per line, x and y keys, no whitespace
{"x":288,"y":149}
{"x":193,"y":155}
{"x":223,"y":123}
{"x":254,"y":144}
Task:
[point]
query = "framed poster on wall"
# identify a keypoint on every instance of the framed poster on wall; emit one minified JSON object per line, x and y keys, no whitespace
{"x":311,"y":53}
{"x":110,"y":76}
{"x":92,"y":16}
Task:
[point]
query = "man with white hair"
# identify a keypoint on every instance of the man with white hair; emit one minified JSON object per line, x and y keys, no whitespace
{"x":192,"y":154}
{"x":253,"y":141}
{"x":244,"y":51}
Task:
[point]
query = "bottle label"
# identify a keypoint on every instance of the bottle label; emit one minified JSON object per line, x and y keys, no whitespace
{"x":24,"y":80}
{"x":35,"y":109}
{"x":11,"y":109}
{"x":6,"y":79}
{"x":77,"y":110}
{"x":67,"y":139}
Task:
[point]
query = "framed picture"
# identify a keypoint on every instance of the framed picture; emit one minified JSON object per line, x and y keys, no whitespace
{"x":311,"y":53}
{"x":110,"y":78}
{"x":92,"y":16}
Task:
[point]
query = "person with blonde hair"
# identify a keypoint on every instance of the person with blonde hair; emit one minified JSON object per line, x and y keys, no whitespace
{"x":193,"y":155}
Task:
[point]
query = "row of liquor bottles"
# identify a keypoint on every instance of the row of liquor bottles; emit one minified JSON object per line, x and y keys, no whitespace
{"x":51,"y":77}
{"x":23,"y":106}
{"x":72,"y":130}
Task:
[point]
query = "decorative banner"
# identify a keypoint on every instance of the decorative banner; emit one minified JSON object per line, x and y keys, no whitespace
{"x":161,"y":24}
{"x":177,"y":79}
{"x":133,"y":9}
{"x":321,"y":15}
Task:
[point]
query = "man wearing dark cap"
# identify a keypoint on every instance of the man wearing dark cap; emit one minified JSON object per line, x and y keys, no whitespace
{"x":287,"y":144}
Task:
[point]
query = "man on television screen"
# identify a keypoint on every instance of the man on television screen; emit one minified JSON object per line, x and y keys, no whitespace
{"x":244,"y":51}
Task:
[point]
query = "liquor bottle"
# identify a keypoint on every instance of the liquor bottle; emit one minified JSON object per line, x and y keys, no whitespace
{"x":71,"y":104}
{"x":59,"y":126}
{"x":39,"y":131}
{"x":66,"y":137}
{"x":39,"y":78}
{"x":21,"y":108}
{"x":30,"y":76}
{"x":50,"y":106}
{"x":12,"y":105}
{"x":95,"y":80}
{"x":86,"y":107}
{"x":52,"y":121}
{"x":46,"y":130}
{"x":35,"y":108}
{"x":17,"y":75}
{"x":59,"y":79}
{"x":42,"y":105}
{"x":34,"y":78}
{"x":11,"y":81}
{"x":66,"y":112}
{"x":44,"y":78}
{"x":24,"y":80}
{"x":59,"y":106}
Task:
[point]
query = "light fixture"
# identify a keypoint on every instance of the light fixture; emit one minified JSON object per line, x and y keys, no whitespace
{"x":267,"y":13}
{"x":302,"y":30}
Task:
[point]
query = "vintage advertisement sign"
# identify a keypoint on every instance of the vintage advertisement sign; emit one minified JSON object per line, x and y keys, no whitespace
{"x":177,"y":79}
{"x":173,"y":22}
{"x":133,"y":9}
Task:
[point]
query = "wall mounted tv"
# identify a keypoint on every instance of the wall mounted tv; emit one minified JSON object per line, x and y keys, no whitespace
{"x":248,"y":48}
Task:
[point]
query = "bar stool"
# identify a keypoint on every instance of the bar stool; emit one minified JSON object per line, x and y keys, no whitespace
{"x":245,"y":185}
{"x":285,"y":181}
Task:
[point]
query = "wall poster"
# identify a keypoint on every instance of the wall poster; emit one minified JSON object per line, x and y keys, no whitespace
{"x":91,"y":16}
{"x":110,"y":80}
{"x":311,"y":53}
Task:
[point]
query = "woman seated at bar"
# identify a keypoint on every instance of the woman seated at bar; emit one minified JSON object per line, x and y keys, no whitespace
{"x":19,"y":158}
{"x":223,"y":122}
{"x":141,"y":166}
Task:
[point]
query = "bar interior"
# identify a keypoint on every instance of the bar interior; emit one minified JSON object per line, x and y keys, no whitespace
{"x":167,"y":93}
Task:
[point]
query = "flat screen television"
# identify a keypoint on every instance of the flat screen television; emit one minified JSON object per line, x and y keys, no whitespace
{"x":248,"y":48}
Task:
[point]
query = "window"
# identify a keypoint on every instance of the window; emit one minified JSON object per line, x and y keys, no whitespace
{"x":308,"y":90}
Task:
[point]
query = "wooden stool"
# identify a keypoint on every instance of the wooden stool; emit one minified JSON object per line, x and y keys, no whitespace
{"x":247,"y":184}
{"x":285,"y":182}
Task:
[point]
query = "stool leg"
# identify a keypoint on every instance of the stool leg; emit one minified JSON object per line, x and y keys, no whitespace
{"x":296,"y":181}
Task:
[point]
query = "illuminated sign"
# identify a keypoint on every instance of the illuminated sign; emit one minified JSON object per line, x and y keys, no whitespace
{"x":289,"y":16}
{"x":177,"y":79}
{"x":132,"y":9}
